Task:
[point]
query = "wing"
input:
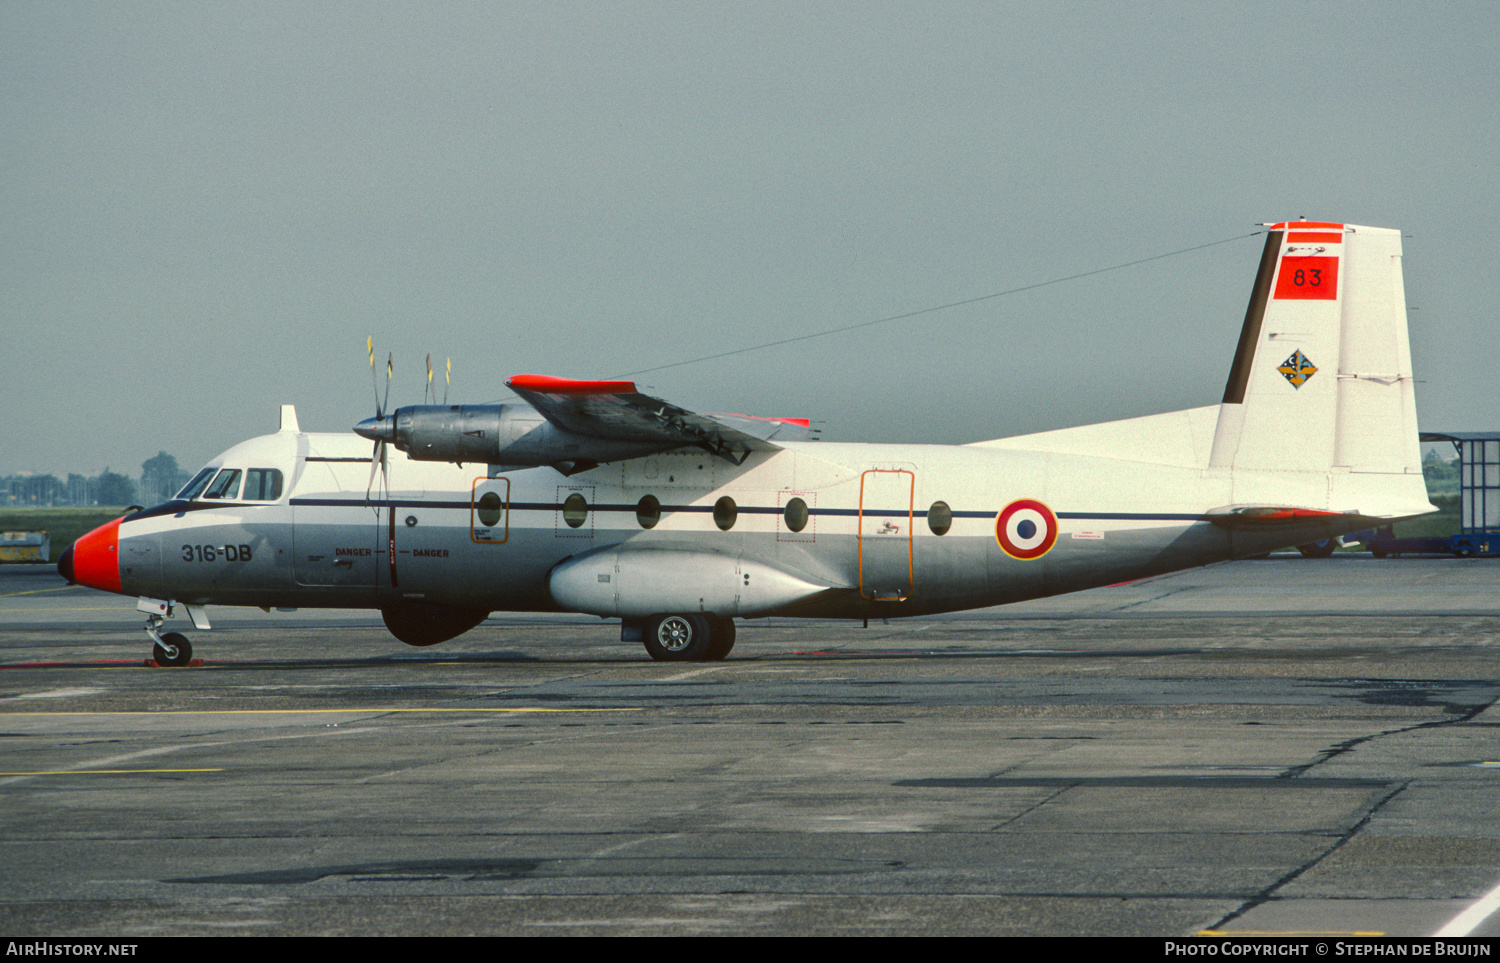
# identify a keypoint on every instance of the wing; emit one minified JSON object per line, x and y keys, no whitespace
{"x":615,"y":411}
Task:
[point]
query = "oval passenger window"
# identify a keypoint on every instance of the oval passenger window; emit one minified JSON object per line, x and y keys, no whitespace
{"x":725,"y":512}
{"x":489,"y":509}
{"x":796,"y":515}
{"x":939,"y":518}
{"x":575,"y":510}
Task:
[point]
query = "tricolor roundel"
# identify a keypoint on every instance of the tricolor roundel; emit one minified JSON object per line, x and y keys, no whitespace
{"x":1026,"y":529}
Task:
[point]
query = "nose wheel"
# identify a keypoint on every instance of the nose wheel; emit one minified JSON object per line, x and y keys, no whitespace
{"x":171,"y":650}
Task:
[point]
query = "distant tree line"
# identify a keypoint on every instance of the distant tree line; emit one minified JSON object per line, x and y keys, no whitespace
{"x":160,"y":479}
{"x":1440,"y":473}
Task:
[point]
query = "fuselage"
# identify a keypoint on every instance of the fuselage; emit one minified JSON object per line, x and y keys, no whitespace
{"x":881,"y":530}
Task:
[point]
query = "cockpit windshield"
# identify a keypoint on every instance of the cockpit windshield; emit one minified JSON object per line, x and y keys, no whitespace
{"x":261,"y":485}
{"x":191,"y":490}
{"x":225,"y":485}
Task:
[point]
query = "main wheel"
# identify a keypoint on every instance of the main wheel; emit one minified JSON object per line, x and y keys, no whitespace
{"x":179,"y":652}
{"x":678,"y":638}
{"x":1319,"y":549}
{"x":721,"y":639}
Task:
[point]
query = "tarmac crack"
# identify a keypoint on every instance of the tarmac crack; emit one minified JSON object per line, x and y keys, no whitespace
{"x":1028,"y":810}
{"x":1269,"y":892}
{"x":1349,"y":745}
{"x":1338,"y":749}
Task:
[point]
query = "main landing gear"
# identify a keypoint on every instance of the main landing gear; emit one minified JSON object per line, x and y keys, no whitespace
{"x":700,"y":637}
{"x":1323,"y":548}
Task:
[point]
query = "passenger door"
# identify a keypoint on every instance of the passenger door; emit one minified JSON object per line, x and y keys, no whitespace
{"x":885,"y":530}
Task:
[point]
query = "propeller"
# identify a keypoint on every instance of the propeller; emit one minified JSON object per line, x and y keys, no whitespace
{"x":380,"y":428}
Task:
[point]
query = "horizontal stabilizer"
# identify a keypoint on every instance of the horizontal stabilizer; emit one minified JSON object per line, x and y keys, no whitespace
{"x":1262,"y":519}
{"x":1249,"y":518}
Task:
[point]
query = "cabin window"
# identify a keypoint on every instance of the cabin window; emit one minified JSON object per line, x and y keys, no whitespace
{"x":648,"y":511}
{"x":796,"y":515}
{"x":575,"y":510}
{"x":725,"y":512}
{"x":192,"y":488}
{"x":489,"y":509}
{"x":939,"y":518}
{"x":262,"y":485}
{"x":225,"y":485}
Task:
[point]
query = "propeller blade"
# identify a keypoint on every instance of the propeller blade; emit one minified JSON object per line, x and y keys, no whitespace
{"x":374,"y":383}
{"x":377,"y":457}
{"x":430,"y":393}
{"x":447,"y":381}
{"x":390,"y":366}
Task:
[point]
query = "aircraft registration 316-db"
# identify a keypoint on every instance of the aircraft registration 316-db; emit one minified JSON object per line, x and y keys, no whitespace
{"x":595,"y":498}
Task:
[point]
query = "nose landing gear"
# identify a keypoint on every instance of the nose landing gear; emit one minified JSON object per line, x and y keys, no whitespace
{"x":171,"y":650}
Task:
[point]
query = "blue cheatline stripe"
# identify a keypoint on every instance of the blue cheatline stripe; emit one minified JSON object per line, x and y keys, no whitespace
{"x":375,"y":503}
{"x":743,"y":509}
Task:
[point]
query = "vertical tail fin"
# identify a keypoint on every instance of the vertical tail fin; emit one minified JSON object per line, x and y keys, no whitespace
{"x":1322,"y":381}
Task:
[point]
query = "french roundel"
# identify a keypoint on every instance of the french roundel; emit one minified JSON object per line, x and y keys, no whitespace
{"x":1026,"y":529}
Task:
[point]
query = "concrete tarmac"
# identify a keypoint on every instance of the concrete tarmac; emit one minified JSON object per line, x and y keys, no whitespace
{"x":1280,"y":746}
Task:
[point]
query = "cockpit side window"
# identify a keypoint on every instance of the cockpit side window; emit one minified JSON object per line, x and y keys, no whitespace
{"x":262,"y":485}
{"x":192,"y":488}
{"x":225,"y":485}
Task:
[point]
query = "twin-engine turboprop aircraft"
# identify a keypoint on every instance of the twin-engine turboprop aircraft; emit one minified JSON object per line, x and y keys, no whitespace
{"x":594,"y":498}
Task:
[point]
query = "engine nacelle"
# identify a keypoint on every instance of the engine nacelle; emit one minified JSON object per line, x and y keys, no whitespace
{"x":511,"y":436}
{"x":629,"y":582}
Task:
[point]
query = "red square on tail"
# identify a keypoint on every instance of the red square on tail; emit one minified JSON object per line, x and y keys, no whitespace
{"x":1308,"y":279}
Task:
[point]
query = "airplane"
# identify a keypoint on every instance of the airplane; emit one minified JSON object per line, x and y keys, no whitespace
{"x":591,"y":497}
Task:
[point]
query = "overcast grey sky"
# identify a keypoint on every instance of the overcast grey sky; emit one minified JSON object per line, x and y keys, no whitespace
{"x":208,"y":207}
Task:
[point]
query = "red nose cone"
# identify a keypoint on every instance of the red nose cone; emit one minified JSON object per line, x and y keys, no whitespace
{"x":96,"y":558}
